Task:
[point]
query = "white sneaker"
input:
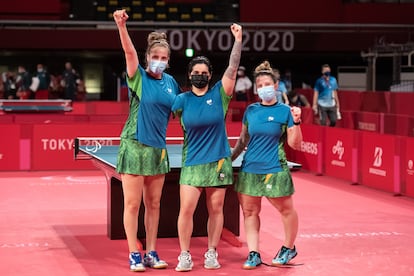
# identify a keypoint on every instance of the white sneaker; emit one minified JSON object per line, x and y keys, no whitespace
{"x":210,"y":261}
{"x":184,"y":262}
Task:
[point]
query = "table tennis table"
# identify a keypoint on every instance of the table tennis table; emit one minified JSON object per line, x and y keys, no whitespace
{"x":43,"y":106}
{"x":103,"y":154}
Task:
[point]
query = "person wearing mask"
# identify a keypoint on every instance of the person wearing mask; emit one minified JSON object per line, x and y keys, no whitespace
{"x":325,"y":97}
{"x":44,"y":82}
{"x":267,"y":126}
{"x":206,"y":152}
{"x":243,"y":85}
{"x":142,"y":157}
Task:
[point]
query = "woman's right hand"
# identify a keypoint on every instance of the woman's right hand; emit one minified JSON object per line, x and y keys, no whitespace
{"x":120,"y":17}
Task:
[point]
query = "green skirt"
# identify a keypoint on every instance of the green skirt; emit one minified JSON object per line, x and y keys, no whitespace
{"x":212,"y":174}
{"x":269,"y":185}
{"x":139,"y":159}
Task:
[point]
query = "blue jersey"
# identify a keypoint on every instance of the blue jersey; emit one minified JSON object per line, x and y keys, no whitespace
{"x":203,"y":124}
{"x":149,"y":108}
{"x":325,"y":89}
{"x":266,"y":126}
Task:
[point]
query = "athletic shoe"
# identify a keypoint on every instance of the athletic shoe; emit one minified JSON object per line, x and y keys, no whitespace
{"x":184,"y":262}
{"x":253,"y":260}
{"x":284,"y":256}
{"x":135,"y":262}
{"x":210,"y":261}
{"x":152,"y":260}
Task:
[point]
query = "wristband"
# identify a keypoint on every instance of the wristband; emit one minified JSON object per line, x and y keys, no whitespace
{"x":297,"y":123}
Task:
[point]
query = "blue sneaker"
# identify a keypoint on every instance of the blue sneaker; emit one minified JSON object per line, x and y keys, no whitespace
{"x":253,"y":260}
{"x":152,"y":260}
{"x":135,"y":262}
{"x":284,"y":256}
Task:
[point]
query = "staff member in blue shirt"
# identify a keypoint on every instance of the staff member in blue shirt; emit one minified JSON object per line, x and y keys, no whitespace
{"x":142,"y":158}
{"x":325,"y":97}
{"x":264,"y":172}
{"x":206,"y":151}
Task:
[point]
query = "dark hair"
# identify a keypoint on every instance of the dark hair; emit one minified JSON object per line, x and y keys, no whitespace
{"x":264,"y":69}
{"x":200,"y":60}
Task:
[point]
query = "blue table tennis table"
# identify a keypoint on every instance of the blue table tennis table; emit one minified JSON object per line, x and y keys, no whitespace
{"x":104,"y":157}
{"x":38,"y":106}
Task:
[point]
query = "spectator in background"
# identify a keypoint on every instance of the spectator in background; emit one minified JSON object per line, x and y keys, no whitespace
{"x":325,"y":97}
{"x":9,"y":86}
{"x":243,"y":85}
{"x":281,"y":91}
{"x":70,"y":79}
{"x":298,"y":99}
{"x":23,"y":83}
{"x":287,"y":79}
{"x":44,"y":82}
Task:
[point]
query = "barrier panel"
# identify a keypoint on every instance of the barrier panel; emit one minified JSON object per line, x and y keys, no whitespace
{"x":396,"y":124}
{"x":311,"y":153}
{"x":377,"y":101}
{"x":348,"y":120}
{"x":10,"y":148}
{"x":49,"y":118}
{"x":369,"y":121}
{"x":379,"y":161}
{"x":402,"y":103}
{"x":341,"y":153}
{"x":407,"y":166}
{"x":350,"y":100}
{"x":52,"y":144}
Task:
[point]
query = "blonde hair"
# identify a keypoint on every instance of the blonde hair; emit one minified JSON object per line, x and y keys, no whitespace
{"x":264,"y":68}
{"x":157,"y":39}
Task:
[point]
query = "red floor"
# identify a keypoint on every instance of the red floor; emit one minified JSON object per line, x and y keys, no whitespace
{"x":54,"y":223}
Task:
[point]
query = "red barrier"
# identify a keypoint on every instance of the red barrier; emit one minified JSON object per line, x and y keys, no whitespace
{"x":341,"y":153}
{"x":396,"y":124}
{"x":49,"y":118}
{"x":52,"y":145}
{"x":348,"y":120}
{"x":377,"y":101}
{"x":10,"y":148}
{"x":379,"y":161}
{"x":350,"y":100}
{"x":402,"y":103}
{"x":369,"y":121}
{"x":6,"y":118}
{"x":407,"y":166}
{"x":311,"y":153}
{"x":110,"y":107}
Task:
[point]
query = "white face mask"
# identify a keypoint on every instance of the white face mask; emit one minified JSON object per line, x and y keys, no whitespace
{"x":267,"y":93}
{"x":157,"y":66}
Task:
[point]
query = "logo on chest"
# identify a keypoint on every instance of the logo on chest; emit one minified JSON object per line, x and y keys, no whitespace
{"x":270,"y":119}
{"x":209,"y":101}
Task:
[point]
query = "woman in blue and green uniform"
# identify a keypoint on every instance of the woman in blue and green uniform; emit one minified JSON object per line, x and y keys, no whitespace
{"x":264,"y":172}
{"x":206,"y":151}
{"x":142,"y":157}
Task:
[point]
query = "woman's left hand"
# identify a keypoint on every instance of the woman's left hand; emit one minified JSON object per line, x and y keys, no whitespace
{"x":296,"y":113}
{"x":236,"y":29}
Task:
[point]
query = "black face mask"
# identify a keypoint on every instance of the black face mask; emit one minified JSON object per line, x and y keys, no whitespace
{"x":199,"y":81}
{"x":327,"y":74}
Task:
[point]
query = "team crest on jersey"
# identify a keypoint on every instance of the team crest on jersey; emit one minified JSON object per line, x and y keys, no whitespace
{"x":169,"y":90}
{"x":270,"y":119}
{"x":209,"y":101}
